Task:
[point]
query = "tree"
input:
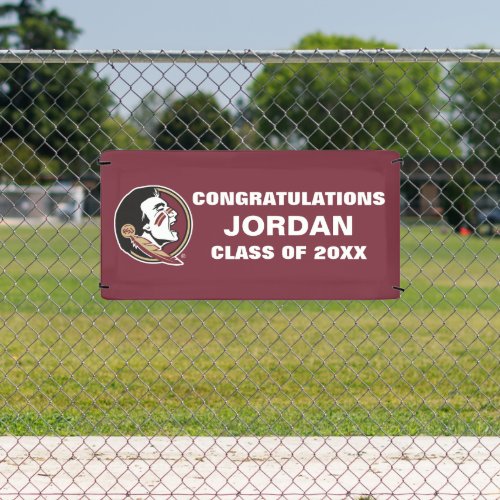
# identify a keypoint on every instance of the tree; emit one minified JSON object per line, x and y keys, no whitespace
{"x":475,"y":97}
{"x":124,"y":134}
{"x":456,"y":200}
{"x":195,"y":122}
{"x":57,"y":110}
{"x":146,"y":116}
{"x":22,"y":165}
{"x":322,"y":106}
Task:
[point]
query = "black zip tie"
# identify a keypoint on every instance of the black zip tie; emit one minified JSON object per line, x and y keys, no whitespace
{"x":103,"y":286}
{"x":99,"y":162}
{"x":399,"y":288}
{"x":397,"y":160}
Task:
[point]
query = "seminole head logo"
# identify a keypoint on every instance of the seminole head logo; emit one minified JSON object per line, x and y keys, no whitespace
{"x":153,"y":224}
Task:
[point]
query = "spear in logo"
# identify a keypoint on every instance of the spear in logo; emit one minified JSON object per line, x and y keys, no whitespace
{"x":149,"y":248}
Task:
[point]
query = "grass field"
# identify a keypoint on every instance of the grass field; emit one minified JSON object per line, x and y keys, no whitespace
{"x":71,"y":363}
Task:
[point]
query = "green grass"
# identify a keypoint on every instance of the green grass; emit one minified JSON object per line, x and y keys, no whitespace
{"x":71,"y":363}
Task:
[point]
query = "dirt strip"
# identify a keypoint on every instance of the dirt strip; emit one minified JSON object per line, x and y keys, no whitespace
{"x":249,"y":467}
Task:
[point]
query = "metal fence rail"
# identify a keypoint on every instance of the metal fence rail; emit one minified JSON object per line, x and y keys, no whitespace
{"x":244,"y":399}
{"x":250,"y":56}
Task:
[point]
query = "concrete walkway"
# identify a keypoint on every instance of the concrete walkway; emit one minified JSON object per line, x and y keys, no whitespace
{"x":248,"y":467}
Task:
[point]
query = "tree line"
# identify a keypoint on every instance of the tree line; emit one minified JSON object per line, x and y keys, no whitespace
{"x":56,"y":119}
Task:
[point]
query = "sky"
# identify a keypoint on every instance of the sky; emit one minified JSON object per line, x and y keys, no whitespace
{"x":262,"y":24}
{"x":277,"y":24}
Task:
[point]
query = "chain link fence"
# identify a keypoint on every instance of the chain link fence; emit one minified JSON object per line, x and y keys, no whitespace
{"x":249,"y":399}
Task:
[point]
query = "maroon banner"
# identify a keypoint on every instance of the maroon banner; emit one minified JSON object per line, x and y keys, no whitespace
{"x":250,"y":225}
